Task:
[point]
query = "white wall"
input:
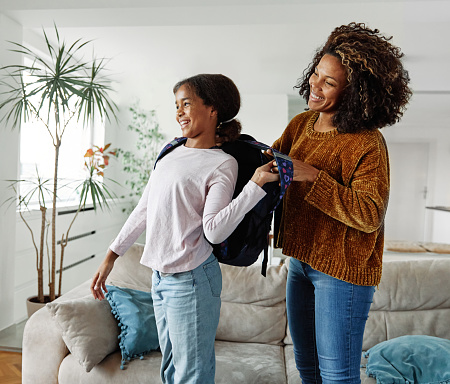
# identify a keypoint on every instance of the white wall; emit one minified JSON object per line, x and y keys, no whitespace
{"x":264,"y":116}
{"x":9,"y":145}
{"x":427,"y":121}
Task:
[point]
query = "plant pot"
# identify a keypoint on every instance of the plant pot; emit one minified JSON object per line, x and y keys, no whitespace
{"x":34,"y":305}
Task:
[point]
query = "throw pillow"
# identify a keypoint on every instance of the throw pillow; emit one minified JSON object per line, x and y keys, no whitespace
{"x":414,"y":358}
{"x":134,"y":311}
{"x":436,"y":247}
{"x":87,"y":327}
{"x":403,"y":246}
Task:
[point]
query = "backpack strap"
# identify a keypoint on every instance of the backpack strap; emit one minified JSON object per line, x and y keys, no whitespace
{"x":286,"y":171}
{"x":169,"y":147}
{"x":284,"y":164}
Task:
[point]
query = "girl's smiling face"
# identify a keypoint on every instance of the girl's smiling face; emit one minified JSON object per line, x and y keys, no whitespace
{"x":197,"y":120}
{"x":326,"y":84}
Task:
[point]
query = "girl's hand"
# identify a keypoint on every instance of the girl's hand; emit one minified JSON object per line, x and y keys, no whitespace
{"x":98,"y":284}
{"x":266,"y":174}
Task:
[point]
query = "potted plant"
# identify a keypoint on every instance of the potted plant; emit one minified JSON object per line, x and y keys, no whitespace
{"x":55,"y":89}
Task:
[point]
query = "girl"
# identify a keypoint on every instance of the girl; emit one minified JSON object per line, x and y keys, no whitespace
{"x":188,"y":202}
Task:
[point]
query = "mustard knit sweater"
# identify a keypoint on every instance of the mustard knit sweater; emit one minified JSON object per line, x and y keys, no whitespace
{"x":336,"y":223}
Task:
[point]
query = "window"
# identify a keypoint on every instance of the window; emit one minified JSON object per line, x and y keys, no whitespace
{"x":37,"y":153}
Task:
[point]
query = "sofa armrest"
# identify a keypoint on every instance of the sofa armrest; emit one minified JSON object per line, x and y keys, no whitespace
{"x":43,"y":349}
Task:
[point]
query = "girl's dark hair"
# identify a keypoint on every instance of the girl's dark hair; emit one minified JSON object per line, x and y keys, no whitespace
{"x":377,"y":90}
{"x":221,"y":93}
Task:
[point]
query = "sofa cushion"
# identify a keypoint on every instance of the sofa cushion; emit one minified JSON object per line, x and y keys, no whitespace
{"x":87,"y":327}
{"x":128,"y":272}
{"x":133,"y":310}
{"x":292,"y":374}
{"x":414,"y":359}
{"x":236,"y":363}
{"x":249,"y":363}
{"x":108,"y":371}
{"x":253,"y":307}
{"x":412,"y":298}
{"x":413,"y":284}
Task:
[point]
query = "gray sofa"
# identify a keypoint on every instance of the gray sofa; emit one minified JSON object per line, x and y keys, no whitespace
{"x":253,"y":344}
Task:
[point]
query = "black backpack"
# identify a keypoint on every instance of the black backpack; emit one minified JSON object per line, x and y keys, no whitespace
{"x":251,"y":237}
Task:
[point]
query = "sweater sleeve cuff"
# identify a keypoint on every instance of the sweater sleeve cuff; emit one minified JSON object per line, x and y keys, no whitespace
{"x":321,"y":189}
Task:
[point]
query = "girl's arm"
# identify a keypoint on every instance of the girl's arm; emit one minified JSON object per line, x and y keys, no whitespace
{"x":222,"y":215}
{"x":131,"y":230}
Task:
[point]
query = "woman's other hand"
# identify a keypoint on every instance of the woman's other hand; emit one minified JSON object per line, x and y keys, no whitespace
{"x":98,"y":284}
{"x":268,"y":154}
{"x":304,"y":171}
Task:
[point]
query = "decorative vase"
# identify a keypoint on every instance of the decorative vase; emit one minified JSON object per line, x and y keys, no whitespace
{"x":33,"y":305}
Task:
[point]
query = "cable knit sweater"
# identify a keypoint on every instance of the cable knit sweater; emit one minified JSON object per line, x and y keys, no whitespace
{"x":336,"y":223}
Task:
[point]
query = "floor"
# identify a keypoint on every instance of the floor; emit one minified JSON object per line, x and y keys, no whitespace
{"x":10,"y":354}
{"x":10,"y":367}
{"x":11,"y":338}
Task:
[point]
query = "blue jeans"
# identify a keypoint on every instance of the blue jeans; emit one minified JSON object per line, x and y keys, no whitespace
{"x":326,"y":319}
{"x":187,"y":309}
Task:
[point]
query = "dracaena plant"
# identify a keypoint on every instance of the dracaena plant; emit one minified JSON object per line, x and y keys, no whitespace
{"x":92,"y":189}
{"x":55,"y":89}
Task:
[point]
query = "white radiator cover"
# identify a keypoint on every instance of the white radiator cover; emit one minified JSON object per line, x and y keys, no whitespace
{"x":90,"y":236}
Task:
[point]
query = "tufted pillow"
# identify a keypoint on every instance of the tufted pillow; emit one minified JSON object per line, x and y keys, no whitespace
{"x":87,"y":327}
{"x":436,"y":247}
{"x":133,"y":310}
{"x":403,"y":246}
{"x":415,"y":359}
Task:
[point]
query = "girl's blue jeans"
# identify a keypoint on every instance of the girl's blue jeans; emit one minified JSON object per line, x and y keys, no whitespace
{"x":187,"y":309}
{"x":326,"y":319}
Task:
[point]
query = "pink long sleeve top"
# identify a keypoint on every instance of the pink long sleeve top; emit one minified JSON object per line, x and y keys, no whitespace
{"x":188,"y":198}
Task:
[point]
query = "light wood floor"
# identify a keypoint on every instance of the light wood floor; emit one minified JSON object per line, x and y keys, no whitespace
{"x":10,"y":367}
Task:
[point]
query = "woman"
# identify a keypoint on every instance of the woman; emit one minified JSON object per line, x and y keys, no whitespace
{"x":188,"y":200}
{"x":333,"y":213}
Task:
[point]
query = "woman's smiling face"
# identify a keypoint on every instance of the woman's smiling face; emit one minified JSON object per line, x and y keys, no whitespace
{"x":326,"y":84}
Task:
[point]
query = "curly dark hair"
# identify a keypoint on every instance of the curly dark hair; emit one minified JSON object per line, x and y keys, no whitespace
{"x":221,"y":93}
{"x":377,"y":90}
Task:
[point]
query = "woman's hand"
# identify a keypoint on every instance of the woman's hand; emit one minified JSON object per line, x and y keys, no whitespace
{"x":99,"y":281}
{"x":266,"y":174}
{"x":304,"y":171}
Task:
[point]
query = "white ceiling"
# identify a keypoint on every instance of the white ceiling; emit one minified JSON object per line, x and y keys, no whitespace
{"x":264,"y":45}
{"x":421,"y":28}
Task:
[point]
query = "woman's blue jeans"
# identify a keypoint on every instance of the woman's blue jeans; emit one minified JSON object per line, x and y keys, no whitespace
{"x":187,"y":309}
{"x":326,"y":319}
